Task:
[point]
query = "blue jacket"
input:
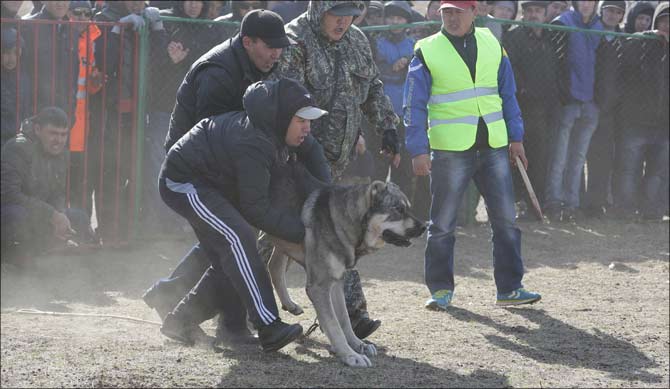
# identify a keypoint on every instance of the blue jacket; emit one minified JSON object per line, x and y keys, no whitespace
{"x":417,"y":93}
{"x":388,"y":52}
{"x":577,"y":51}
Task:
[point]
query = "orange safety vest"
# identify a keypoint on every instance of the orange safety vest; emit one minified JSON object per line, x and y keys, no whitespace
{"x":86,"y":67}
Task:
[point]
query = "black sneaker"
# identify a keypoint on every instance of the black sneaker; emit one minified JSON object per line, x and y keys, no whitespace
{"x":365,"y":327}
{"x":573,"y":215}
{"x":553,"y":214}
{"x":278,"y":334}
{"x":181,"y":331}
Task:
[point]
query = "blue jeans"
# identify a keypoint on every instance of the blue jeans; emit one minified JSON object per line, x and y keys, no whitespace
{"x":451,"y":173}
{"x":577,"y":123}
{"x":635,"y":147}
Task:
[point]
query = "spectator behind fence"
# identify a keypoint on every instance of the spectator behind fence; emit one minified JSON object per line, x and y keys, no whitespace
{"x":185,"y":46}
{"x":289,"y":10}
{"x":15,"y":107}
{"x":35,"y":216}
{"x":89,"y":82}
{"x":50,"y":58}
{"x":535,"y":66}
{"x":578,"y":118}
{"x":111,"y":129}
{"x":9,"y":9}
{"x":239,"y":9}
{"x":644,"y":124}
{"x":639,"y":17}
{"x":395,"y":49}
{"x":333,"y":60}
{"x":600,"y":158}
{"x":505,"y":10}
{"x":484,"y":9}
{"x":555,"y":9}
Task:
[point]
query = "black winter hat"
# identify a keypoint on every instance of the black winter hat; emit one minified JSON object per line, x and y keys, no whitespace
{"x":398,"y":8}
{"x":266,"y":25}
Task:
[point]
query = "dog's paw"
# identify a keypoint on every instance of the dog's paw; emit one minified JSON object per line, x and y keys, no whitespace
{"x":368,"y":349}
{"x":356,"y":360}
{"x":295,"y":309}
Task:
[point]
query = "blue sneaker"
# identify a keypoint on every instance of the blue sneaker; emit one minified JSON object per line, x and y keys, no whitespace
{"x":517,"y":297}
{"x":440,"y":300}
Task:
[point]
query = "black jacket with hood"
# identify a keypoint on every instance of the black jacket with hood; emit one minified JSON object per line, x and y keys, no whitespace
{"x":637,"y":8}
{"x":644,"y":71}
{"x":607,"y":81}
{"x":235,"y":153}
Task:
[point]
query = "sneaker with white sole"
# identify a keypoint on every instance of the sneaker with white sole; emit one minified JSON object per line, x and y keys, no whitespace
{"x":517,"y":297}
{"x":440,"y":300}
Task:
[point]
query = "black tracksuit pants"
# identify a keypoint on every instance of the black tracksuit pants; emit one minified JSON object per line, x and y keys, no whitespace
{"x":230,"y":244}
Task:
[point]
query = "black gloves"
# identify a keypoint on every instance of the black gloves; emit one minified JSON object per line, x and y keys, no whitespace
{"x":390,"y":141}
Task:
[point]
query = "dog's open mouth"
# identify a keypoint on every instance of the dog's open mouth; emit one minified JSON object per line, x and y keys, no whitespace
{"x":391,"y":237}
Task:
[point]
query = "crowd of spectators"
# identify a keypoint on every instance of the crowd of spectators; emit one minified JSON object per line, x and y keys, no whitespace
{"x":587,"y":99}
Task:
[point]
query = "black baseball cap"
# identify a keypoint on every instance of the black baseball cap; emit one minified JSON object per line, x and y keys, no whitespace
{"x":266,"y":25}
{"x":346,"y":8}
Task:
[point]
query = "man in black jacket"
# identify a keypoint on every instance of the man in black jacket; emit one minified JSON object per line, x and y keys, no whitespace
{"x":644,"y":121}
{"x":530,"y":49}
{"x":600,"y":156}
{"x":215,"y":85}
{"x":217,"y":176}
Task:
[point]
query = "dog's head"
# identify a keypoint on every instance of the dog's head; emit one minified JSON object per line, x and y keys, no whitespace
{"x":389,"y":215}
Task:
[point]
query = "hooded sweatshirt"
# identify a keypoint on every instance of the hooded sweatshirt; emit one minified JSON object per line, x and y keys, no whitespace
{"x":343,"y":78}
{"x":577,"y":52}
{"x":235,"y":153}
{"x":638,"y":8}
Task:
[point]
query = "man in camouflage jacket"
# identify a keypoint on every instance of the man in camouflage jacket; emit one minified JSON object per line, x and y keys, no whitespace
{"x":333,"y":60}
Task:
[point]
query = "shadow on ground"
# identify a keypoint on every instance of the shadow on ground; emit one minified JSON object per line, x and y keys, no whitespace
{"x":326,"y":371}
{"x":555,"y":342}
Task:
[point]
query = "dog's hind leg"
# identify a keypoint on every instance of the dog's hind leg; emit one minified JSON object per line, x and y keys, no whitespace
{"x":277,"y":268}
{"x":320,"y":294}
{"x":340,"y":307}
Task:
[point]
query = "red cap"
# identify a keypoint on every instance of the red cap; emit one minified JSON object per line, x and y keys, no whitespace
{"x":462,"y":4}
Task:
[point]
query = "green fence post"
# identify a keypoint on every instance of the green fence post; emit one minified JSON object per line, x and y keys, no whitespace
{"x":143,"y":53}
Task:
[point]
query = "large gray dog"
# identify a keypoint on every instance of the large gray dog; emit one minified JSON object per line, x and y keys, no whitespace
{"x":342,"y":224}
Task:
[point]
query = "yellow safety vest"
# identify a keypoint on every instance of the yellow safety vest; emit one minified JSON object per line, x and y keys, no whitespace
{"x":456,"y":103}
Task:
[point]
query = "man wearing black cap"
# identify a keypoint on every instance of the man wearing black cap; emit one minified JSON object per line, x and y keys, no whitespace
{"x":215,"y":85}
{"x":535,"y":63}
{"x":217,"y":176}
{"x":600,"y":157}
{"x":333,"y":59}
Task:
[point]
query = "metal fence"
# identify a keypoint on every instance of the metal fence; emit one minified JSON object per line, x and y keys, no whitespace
{"x":109,"y":166}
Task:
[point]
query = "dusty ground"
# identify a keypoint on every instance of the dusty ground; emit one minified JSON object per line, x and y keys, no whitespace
{"x":597,"y":325}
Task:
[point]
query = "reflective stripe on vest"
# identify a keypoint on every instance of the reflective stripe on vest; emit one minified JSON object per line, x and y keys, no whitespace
{"x":456,"y":102}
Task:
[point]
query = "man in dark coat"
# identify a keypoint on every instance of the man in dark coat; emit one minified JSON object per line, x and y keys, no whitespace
{"x":217,"y":176}
{"x":535,"y":63}
{"x":601,"y":151}
{"x":15,"y":107}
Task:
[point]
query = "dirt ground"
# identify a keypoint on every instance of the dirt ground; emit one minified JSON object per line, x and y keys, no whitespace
{"x":602,"y":322}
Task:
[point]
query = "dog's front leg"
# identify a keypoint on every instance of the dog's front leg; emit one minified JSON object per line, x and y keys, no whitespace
{"x":277,"y":268}
{"x":340,"y":306}
{"x":320,"y":294}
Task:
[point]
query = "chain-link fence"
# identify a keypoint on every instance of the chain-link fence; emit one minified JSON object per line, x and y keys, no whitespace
{"x":127,"y":87}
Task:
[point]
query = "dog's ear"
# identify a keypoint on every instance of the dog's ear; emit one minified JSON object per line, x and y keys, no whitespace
{"x":375,"y":188}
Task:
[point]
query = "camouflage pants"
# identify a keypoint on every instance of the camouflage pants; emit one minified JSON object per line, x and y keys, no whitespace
{"x":357,"y":306}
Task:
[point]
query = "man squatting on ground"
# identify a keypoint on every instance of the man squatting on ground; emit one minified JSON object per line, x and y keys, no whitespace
{"x":217,"y":176}
{"x":461,"y":83}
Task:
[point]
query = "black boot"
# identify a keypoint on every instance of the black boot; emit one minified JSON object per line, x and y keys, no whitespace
{"x":278,"y":334}
{"x":155,"y":299}
{"x":182,"y":330}
{"x":364,"y":326}
{"x":234,"y":333}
